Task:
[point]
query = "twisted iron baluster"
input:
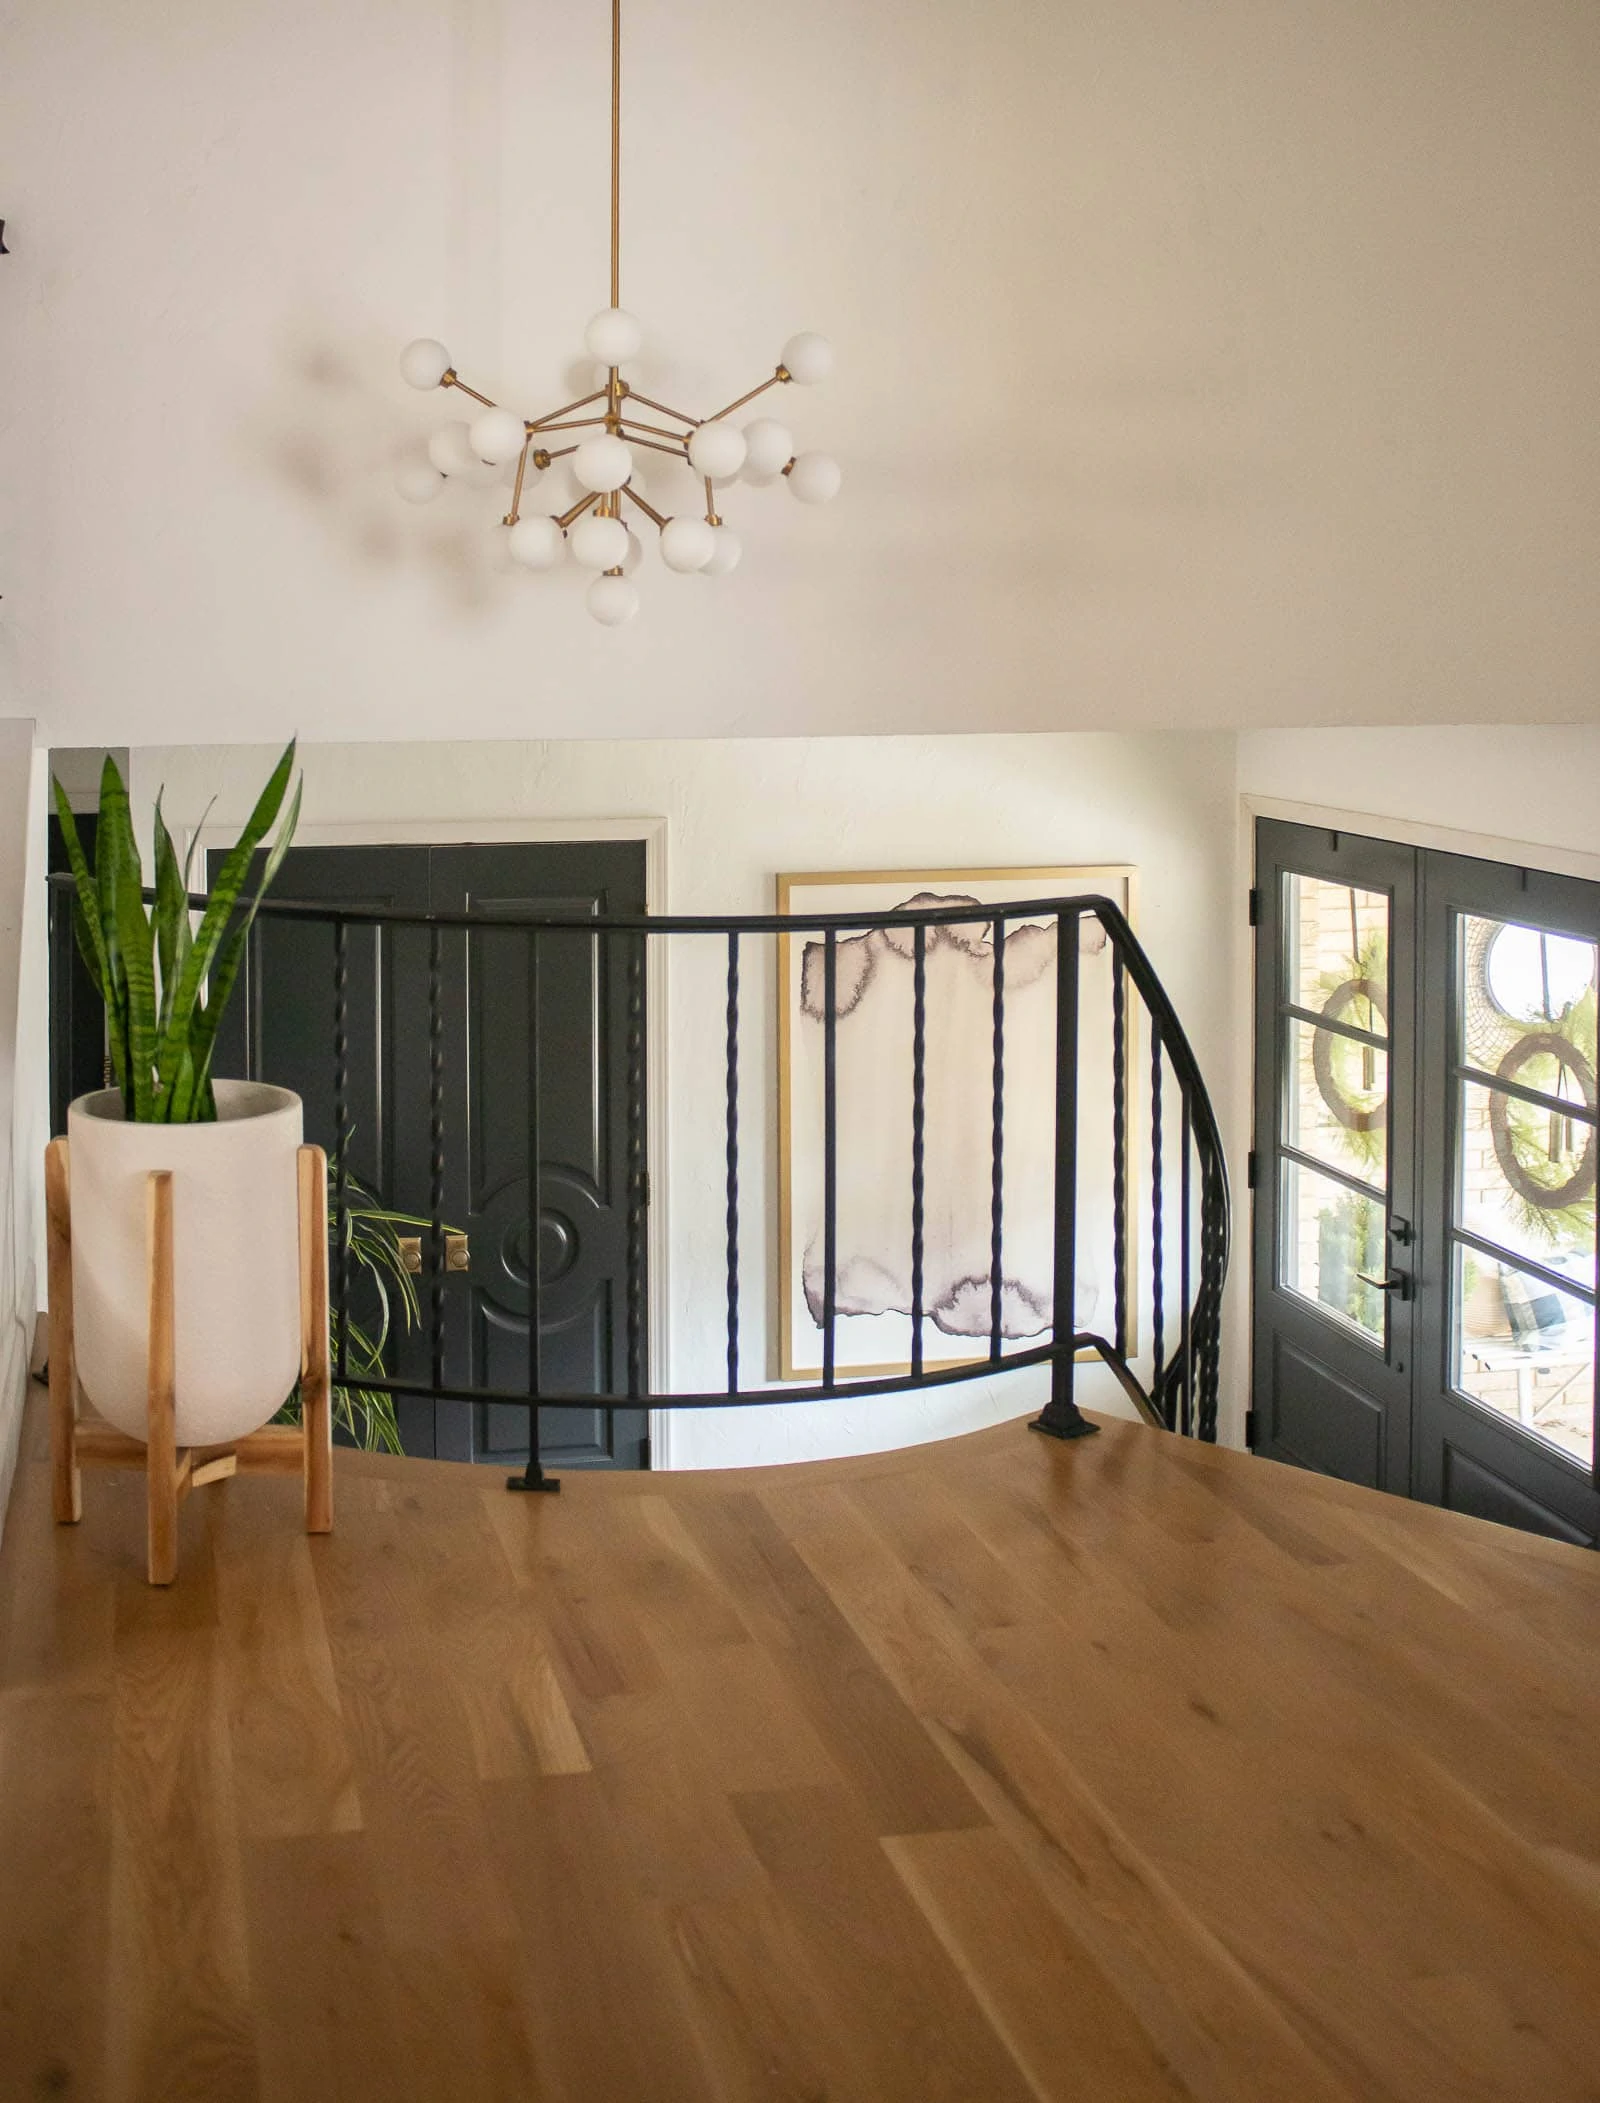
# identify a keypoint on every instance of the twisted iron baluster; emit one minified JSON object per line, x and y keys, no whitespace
{"x":341,"y":1145}
{"x":1157,"y":1237}
{"x":919,"y":1091}
{"x":636,"y":1168}
{"x":1061,"y":1417}
{"x":733,"y":1161}
{"x":533,"y":1476}
{"x":436,"y":1150}
{"x":1186,"y":1315}
{"x":997,"y":1139}
{"x":830,"y":1149}
{"x":1119,"y":1151}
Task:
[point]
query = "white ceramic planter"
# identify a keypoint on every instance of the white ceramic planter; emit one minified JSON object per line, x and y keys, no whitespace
{"x":236,"y":1259}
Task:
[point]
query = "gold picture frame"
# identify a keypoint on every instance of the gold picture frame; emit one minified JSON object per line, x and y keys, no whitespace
{"x":878,"y":890}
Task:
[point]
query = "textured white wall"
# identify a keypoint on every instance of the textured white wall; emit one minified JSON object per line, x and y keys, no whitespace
{"x":738,"y":812}
{"x":1198,"y":365}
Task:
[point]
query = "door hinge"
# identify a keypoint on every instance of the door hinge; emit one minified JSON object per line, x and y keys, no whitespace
{"x":1255,"y":906}
{"x":1250,"y":1170}
{"x":1250,"y":1430}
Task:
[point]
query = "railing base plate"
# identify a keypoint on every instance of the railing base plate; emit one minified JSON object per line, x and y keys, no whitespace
{"x":1062,"y":1422}
{"x":532,"y":1483}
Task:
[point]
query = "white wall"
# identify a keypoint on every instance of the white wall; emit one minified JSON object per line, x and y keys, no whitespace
{"x":1512,"y":794}
{"x":24,"y":1094}
{"x":737,"y":813}
{"x":1199,"y":365}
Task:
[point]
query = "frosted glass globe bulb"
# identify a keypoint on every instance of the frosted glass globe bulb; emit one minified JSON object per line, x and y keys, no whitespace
{"x":612,"y":600}
{"x":635,"y":555}
{"x":687,"y":544}
{"x":424,"y":363}
{"x":815,"y":478}
{"x":418,"y":481}
{"x":537,"y":543}
{"x":717,"y":450}
{"x":496,"y":435}
{"x":725,"y":554}
{"x":602,"y":464}
{"x":450,"y":450}
{"x":599,"y":543}
{"x":807,"y":358}
{"x":613,"y":336}
{"x":768,"y":446}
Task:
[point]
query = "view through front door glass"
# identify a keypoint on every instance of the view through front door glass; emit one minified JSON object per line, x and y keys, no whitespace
{"x":1523,"y":1224}
{"x":1333,"y":1153}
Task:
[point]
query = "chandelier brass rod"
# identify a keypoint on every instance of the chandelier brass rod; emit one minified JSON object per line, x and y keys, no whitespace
{"x":649,"y":510}
{"x":547,"y":420}
{"x":560,"y":453}
{"x":461,"y":387}
{"x":522,"y":469}
{"x":775,"y":381}
{"x":616,"y":153}
{"x":577,"y":511}
{"x":654,"y":445}
{"x":632,"y":423}
{"x":576,"y":423}
{"x":711,"y":505}
{"x":660,"y":408}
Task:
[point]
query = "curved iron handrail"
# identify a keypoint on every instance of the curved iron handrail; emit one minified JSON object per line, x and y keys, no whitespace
{"x":1184,"y":1388}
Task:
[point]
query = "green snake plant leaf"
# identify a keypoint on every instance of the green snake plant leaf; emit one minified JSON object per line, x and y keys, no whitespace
{"x":90,"y":934}
{"x":122,"y":907}
{"x":203,"y":1036}
{"x":174,"y":935}
{"x":186,"y":1020}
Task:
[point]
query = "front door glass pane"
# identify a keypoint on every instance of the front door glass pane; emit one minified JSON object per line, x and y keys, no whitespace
{"x":1331,"y":1234}
{"x":1526,"y":1350}
{"x":1338,"y":951}
{"x":1525,"y":1177}
{"x":1527,"y":1005}
{"x":1338,"y":1104}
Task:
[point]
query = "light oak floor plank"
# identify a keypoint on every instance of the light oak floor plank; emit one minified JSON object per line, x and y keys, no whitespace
{"x":987,"y":1770}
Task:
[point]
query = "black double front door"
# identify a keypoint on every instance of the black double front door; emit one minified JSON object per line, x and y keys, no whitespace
{"x":496,"y":1069}
{"x":1424,"y":1173}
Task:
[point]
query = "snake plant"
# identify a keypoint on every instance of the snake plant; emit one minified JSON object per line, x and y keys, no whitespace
{"x":165,"y":981}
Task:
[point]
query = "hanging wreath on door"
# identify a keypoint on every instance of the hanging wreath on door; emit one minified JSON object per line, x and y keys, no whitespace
{"x":1544,"y":1197}
{"x":1354,"y":1114}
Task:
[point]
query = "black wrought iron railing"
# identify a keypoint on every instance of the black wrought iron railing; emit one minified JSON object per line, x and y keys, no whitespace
{"x":1156,"y":1186}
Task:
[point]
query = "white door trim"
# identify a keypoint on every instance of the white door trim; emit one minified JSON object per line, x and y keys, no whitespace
{"x":484,"y":832}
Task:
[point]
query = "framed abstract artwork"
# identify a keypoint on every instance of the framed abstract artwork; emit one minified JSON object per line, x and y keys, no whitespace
{"x":873,"y":1091}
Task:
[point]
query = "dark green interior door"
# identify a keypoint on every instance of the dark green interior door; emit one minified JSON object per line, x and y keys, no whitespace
{"x":1424,"y":1173}
{"x":282,"y":1030}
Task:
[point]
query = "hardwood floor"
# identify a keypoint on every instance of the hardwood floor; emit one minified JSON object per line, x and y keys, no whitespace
{"x":993,"y":1770}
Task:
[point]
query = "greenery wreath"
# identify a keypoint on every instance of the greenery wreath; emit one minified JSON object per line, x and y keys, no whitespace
{"x":1547,"y":1197}
{"x":1350,"y":1114}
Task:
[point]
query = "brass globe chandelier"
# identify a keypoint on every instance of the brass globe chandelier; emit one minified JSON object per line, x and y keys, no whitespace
{"x":594,"y":532}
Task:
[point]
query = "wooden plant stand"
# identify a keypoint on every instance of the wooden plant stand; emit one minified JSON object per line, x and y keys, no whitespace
{"x":172,"y":1472}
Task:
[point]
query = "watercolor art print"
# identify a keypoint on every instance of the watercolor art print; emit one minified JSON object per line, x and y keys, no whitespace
{"x":874,"y":1065}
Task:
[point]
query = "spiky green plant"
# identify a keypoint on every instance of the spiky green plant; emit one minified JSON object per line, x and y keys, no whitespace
{"x":372,"y":1247}
{"x":166,"y":982}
